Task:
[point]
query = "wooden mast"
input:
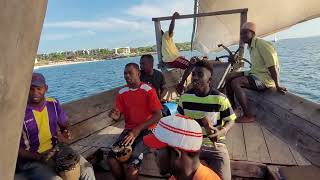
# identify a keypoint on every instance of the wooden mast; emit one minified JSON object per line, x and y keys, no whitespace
{"x":21,"y":24}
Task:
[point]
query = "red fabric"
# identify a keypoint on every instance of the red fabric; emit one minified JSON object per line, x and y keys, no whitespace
{"x":137,"y":105}
{"x":180,"y":62}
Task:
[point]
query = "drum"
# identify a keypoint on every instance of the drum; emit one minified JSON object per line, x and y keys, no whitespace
{"x":122,"y":152}
{"x":67,"y":162}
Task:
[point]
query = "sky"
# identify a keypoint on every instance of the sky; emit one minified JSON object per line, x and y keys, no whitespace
{"x":84,"y":24}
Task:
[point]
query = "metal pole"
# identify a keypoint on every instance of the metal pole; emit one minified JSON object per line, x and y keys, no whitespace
{"x":157,"y":27}
{"x":243,"y":19}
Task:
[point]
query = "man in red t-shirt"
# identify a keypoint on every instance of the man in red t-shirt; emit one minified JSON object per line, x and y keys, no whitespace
{"x":139,"y":104}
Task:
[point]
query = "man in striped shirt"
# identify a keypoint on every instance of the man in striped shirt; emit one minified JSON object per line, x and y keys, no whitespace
{"x":43,"y":117}
{"x":212,"y":110}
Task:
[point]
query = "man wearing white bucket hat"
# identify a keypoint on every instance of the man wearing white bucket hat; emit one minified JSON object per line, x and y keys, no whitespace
{"x":177,"y":141}
{"x":264,"y":72}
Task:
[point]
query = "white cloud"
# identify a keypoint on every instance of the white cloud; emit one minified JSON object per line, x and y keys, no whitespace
{"x":62,"y":36}
{"x":104,"y":24}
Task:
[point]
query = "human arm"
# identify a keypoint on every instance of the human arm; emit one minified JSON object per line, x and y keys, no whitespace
{"x":186,"y":73}
{"x":270,"y":57}
{"x":275,"y":76}
{"x":163,"y":89}
{"x":172,"y":23}
{"x":134,"y":133}
{"x":227,"y":115}
{"x":155,"y":107}
{"x":115,"y":112}
{"x":62,"y":123}
{"x":24,"y":154}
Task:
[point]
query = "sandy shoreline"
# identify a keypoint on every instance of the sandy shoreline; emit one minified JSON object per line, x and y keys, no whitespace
{"x":64,"y":63}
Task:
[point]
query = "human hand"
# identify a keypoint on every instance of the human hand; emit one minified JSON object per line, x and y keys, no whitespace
{"x":194,"y":60}
{"x":66,"y":134}
{"x":217,"y":133}
{"x":180,"y":88}
{"x":282,"y":90}
{"x":132,"y":135}
{"x":115,"y":114}
{"x":175,"y":15}
{"x":45,"y":157}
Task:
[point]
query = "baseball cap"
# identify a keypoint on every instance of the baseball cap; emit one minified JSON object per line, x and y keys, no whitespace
{"x":38,"y":80}
{"x":176,"y":131}
{"x":250,"y":26}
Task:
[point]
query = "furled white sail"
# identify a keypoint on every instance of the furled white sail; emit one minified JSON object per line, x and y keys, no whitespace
{"x":270,"y":16}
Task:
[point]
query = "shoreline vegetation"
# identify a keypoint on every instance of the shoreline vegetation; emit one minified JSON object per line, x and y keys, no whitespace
{"x":94,"y":55}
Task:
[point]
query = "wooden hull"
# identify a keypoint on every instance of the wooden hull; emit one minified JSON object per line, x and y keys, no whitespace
{"x":286,"y":134}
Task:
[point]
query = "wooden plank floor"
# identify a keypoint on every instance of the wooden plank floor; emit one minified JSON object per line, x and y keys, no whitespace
{"x":252,"y":142}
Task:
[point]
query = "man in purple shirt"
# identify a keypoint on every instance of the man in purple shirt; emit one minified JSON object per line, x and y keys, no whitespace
{"x":44,"y":116}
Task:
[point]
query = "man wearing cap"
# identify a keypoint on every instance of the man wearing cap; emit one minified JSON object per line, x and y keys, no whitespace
{"x":264,"y":72}
{"x":212,"y":110}
{"x":176,"y":143}
{"x":139,"y":104}
{"x":44,"y":117}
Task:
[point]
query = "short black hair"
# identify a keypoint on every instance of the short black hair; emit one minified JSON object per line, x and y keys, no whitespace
{"x":134,"y":65}
{"x":148,"y":56}
{"x":205,"y":64}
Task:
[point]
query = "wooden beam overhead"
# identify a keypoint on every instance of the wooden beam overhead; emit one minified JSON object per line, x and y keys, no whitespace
{"x":217,"y":13}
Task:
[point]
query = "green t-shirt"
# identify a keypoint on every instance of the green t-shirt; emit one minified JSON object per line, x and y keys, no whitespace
{"x":263,"y":55}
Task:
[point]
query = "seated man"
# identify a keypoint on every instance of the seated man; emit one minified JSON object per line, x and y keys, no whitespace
{"x":152,"y":76}
{"x":141,"y":108}
{"x":43,"y":116}
{"x":176,"y":142}
{"x":212,"y":110}
{"x":263,"y":74}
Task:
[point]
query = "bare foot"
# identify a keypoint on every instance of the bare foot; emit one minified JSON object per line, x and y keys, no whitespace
{"x":246,"y":119}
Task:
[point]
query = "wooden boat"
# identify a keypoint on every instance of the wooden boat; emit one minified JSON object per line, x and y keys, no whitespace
{"x":287,"y":133}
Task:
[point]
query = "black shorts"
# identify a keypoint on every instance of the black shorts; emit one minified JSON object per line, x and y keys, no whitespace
{"x":138,"y":148}
{"x":255,"y":83}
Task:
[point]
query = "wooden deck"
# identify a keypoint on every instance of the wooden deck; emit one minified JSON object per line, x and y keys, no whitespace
{"x":252,"y":142}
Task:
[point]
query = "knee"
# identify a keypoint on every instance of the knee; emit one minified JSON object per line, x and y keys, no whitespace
{"x":112,"y":161}
{"x":132,"y":172}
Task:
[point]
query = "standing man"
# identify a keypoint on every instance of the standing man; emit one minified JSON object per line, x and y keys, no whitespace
{"x":139,"y":104}
{"x":212,"y":110}
{"x":176,"y":142}
{"x":152,"y":76}
{"x":263,"y":74}
{"x":170,"y":53}
{"x":43,"y":116}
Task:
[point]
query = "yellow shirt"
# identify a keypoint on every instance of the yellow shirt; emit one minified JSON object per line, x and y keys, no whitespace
{"x":263,"y":55}
{"x":169,"y":49}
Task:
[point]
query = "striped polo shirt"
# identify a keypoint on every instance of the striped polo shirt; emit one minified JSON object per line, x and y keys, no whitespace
{"x":215,"y":106}
{"x":40,"y":124}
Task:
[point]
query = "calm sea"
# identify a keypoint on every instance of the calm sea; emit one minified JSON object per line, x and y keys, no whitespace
{"x":299,"y":59}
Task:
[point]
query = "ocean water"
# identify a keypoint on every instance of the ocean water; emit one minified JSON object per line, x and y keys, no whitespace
{"x":299,"y":60}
